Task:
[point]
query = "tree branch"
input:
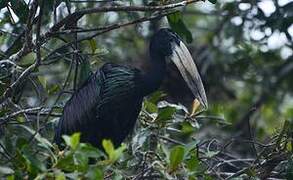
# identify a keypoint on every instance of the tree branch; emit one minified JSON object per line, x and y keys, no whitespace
{"x":78,"y":14}
{"x":112,"y":27}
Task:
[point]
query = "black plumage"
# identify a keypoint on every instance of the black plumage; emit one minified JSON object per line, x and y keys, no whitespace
{"x":108,"y":103}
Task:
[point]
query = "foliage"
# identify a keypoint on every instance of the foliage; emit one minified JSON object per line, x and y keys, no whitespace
{"x":243,"y":52}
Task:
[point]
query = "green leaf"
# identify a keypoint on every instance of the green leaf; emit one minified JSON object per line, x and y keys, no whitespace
{"x":93,"y":45}
{"x":165,"y":113}
{"x":187,"y":128}
{"x":60,"y":176}
{"x":207,"y":177}
{"x":72,"y":141}
{"x":176,"y":157}
{"x":35,"y":165}
{"x":117,"y":176}
{"x":150,"y":107}
{"x":43,"y":81}
{"x":26,"y":161}
{"x":53,"y":89}
{"x":156,"y":97}
{"x":108,"y":146}
{"x":191,"y":146}
{"x":251,"y":172}
{"x":165,"y":150}
{"x":66,"y":163}
{"x":95,"y":173}
{"x":175,"y":18}
{"x":213,"y":1}
{"x":66,"y":139}
{"x":113,"y":154}
{"x":178,"y":25}
{"x":21,"y":142}
{"x":90,"y":151}
{"x":10,"y":177}
{"x":19,"y":160}
{"x":119,"y":151}
{"x":80,"y":161}
{"x":20,"y":119}
{"x":42,"y":141}
{"x":192,"y":163}
{"x":27,"y":60}
{"x":3,"y":111}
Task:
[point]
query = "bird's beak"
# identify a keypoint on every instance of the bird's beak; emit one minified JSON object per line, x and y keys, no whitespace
{"x":185,"y":64}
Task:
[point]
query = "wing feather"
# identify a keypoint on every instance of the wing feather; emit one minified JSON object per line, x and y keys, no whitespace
{"x":78,"y":111}
{"x":106,"y":106}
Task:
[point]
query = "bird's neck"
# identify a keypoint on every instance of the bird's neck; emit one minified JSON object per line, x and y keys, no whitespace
{"x":155,"y":75}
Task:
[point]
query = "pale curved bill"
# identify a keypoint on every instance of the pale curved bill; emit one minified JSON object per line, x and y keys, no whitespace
{"x":185,"y":64}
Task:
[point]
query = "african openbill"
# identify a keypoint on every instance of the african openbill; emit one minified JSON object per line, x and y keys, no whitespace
{"x":108,"y":103}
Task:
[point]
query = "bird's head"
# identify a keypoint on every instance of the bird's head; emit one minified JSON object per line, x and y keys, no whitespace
{"x":162,"y":42}
{"x":168,"y":44}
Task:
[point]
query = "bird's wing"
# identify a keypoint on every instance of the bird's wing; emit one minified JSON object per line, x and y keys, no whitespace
{"x":121,"y":100}
{"x":78,"y":110}
{"x":110,"y":85}
{"x":121,"y":82}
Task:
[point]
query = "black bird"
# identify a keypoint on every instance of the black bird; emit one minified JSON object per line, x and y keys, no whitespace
{"x":108,"y":103}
